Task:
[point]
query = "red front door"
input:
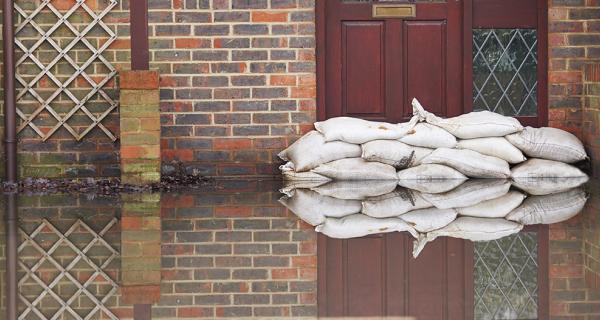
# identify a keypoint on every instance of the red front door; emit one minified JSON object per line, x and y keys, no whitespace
{"x":374,"y":66}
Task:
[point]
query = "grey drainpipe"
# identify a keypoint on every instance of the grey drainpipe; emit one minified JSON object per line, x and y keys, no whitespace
{"x":10,"y":114}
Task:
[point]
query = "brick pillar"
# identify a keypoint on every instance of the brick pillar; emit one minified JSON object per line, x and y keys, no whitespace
{"x":140,"y":127}
{"x":140,"y":248}
{"x":591,"y":113}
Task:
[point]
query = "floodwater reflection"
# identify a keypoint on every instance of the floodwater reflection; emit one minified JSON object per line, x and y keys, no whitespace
{"x":242,"y":249}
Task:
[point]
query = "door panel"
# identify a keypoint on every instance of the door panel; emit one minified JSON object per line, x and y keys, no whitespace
{"x":377,"y":276}
{"x":425,"y":64}
{"x":363,"y":67}
{"x":374,"y":67}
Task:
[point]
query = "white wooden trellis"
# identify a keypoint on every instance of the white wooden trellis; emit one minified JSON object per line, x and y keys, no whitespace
{"x":29,"y":51}
{"x":64,"y":272}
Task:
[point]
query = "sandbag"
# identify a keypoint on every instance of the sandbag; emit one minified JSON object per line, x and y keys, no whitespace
{"x":360,"y":225}
{"x":359,"y":131}
{"x":356,"y":169}
{"x":470,"y":228}
{"x":431,"y":186}
{"x":429,"y":136}
{"x":427,"y":220}
{"x":289,"y":174}
{"x":470,"y":163}
{"x":312,"y":150}
{"x":550,"y":208}
{"x":549,"y":143}
{"x":472,"y":125}
{"x":497,"y":147}
{"x":394,"y":204}
{"x":494,"y":208}
{"x":314,"y":208}
{"x":468,"y":194}
{"x":545,"y":186}
{"x":356,"y":190}
{"x":395,"y":153}
{"x":430,"y":172}
{"x":289,"y":186}
{"x":540,"y":168}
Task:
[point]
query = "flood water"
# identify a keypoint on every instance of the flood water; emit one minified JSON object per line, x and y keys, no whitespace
{"x":244,"y":249}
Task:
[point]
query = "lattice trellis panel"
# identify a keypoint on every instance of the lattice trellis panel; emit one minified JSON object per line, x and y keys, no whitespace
{"x":65,"y":273}
{"x":61,"y":70}
{"x":506,"y":285}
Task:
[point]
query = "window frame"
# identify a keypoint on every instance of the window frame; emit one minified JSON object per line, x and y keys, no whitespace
{"x":509,"y":14}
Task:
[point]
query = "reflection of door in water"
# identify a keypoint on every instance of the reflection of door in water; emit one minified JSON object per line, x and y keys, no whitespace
{"x":377,"y":276}
{"x":374,"y":67}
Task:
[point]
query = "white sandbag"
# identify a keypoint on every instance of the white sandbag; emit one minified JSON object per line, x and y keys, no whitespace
{"x":427,"y":220}
{"x":497,"y":147}
{"x":356,"y":190}
{"x":469,"y":228}
{"x":550,"y":209}
{"x":289,"y":186}
{"x":430,"y":172}
{"x":360,"y":225}
{"x":470,"y":163}
{"x":494,"y":208}
{"x":540,"y":168}
{"x":394,"y":204}
{"x":544,"y":186}
{"x":312,"y":150}
{"x":468,"y":194}
{"x":394,"y":153}
{"x":429,"y":136}
{"x":549,"y":143}
{"x":356,"y":169}
{"x":359,"y":131}
{"x":472,"y":125}
{"x":431,"y":186}
{"x":290,"y":174}
{"x":314,"y":208}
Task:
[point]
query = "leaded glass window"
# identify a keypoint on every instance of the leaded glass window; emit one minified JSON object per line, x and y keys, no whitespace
{"x":505,"y":71}
{"x":506,"y":277}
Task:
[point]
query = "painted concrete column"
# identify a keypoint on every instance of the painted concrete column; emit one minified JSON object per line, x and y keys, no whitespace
{"x":140,"y":248}
{"x":140,"y":127}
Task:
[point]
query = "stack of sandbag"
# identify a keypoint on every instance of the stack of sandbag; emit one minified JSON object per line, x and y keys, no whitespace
{"x":476,"y":210}
{"x":430,"y":148}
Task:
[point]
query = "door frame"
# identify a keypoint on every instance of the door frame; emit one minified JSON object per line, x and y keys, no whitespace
{"x":540,"y":23}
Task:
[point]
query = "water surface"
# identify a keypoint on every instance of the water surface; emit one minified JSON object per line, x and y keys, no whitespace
{"x":233,"y":250}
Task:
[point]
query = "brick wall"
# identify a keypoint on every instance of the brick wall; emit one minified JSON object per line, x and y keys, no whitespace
{"x":574,"y":35}
{"x":238,"y":81}
{"x":238,"y":84}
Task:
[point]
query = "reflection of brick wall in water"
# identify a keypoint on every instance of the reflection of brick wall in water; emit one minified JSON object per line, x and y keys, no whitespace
{"x":56,"y":216}
{"x":573,"y":270}
{"x":246,"y":256}
{"x":223,"y":254}
{"x":2,"y":259}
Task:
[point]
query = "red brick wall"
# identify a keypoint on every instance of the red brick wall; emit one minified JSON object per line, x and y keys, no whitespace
{"x":238,"y":85}
{"x":574,"y":35}
{"x":238,"y":81}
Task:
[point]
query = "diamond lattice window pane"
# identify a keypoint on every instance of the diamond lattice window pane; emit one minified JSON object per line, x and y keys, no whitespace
{"x":505,"y":71}
{"x":506,"y":277}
